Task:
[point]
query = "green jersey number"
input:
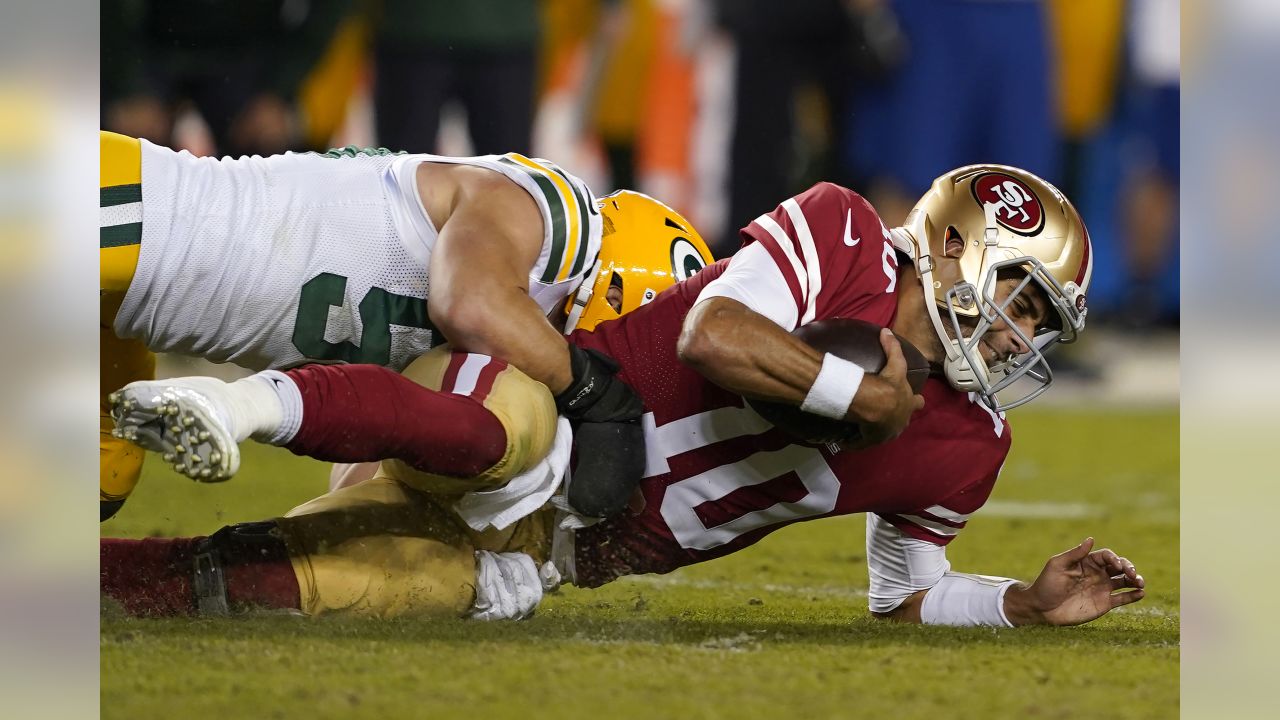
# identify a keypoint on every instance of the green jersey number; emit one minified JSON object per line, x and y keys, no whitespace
{"x":379,"y":310}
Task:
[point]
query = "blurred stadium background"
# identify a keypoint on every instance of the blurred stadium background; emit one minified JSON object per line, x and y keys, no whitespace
{"x":723,"y":108}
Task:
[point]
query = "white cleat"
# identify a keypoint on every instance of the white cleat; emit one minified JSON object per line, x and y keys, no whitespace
{"x":178,"y":419}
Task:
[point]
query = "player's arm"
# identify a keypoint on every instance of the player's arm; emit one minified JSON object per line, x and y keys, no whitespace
{"x":480,"y":279}
{"x":480,"y":301}
{"x":801,"y":263}
{"x":737,"y":337}
{"x":912,"y":581}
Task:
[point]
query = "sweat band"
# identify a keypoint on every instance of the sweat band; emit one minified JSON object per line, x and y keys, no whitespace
{"x":966,"y":600}
{"x":832,"y":392}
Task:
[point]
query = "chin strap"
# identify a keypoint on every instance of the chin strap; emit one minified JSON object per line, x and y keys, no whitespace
{"x":580,"y":299}
{"x":963,"y":375}
{"x":960,"y":373}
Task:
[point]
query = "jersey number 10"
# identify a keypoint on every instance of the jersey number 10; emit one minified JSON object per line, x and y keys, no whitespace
{"x":794,"y":465}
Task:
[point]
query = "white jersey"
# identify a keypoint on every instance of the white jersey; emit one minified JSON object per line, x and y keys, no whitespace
{"x":273,"y":262}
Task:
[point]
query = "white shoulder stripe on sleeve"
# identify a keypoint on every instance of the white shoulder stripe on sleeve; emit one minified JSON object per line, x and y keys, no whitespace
{"x":945,"y":514}
{"x":754,"y":279}
{"x":932,"y":526}
{"x":805,"y":236}
{"x":773,"y":228}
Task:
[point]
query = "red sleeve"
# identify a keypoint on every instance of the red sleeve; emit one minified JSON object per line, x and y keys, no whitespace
{"x":834,"y":253}
{"x":941,"y":521}
{"x":950,"y":459}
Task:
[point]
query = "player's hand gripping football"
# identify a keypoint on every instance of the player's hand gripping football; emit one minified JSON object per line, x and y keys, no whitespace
{"x":884,"y":402}
{"x":1075,"y":587}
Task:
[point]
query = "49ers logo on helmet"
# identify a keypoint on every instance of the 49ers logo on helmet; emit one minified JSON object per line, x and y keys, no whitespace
{"x":1015,"y":206}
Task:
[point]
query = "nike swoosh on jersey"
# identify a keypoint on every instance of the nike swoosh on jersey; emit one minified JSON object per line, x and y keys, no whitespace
{"x":848,"y":231}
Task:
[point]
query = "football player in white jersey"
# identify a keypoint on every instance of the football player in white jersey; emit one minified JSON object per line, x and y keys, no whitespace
{"x":359,"y":256}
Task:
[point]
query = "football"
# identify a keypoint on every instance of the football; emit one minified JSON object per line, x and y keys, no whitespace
{"x":857,"y":341}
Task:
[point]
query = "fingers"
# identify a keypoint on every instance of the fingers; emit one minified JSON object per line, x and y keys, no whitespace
{"x":1125,"y":598}
{"x":1113,"y":564}
{"x":1122,"y":582}
{"x":1075,"y":554}
{"x":895,"y":365}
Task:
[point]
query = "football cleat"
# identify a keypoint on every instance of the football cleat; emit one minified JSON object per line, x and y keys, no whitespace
{"x":180,"y":419}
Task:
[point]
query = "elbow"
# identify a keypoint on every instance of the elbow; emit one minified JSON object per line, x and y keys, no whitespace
{"x":694,"y":348}
{"x":700,"y":344}
{"x":464,"y":324}
{"x":897,"y":615}
{"x":882,"y":609}
{"x":897,"y":609}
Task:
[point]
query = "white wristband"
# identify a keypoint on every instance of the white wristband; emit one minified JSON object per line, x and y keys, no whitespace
{"x":832,"y":392}
{"x":966,"y":600}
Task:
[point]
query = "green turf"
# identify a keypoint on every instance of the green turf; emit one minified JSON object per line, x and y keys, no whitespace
{"x":779,"y":630}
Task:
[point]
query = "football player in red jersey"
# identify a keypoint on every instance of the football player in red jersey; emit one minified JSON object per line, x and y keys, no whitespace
{"x":1000,"y":263}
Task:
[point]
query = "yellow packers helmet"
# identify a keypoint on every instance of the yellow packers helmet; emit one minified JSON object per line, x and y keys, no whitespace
{"x":646,"y":248}
{"x":1007,"y":218}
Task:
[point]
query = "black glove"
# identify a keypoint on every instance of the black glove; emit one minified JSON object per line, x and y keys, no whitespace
{"x":610,"y":466}
{"x":596,"y":394}
{"x":605,"y":412}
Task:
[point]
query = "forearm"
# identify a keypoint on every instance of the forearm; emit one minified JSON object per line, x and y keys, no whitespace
{"x":506,"y":323}
{"x":967,"y":600}
{"x":750,"y":355}
{"x":746,"y":353}
{"x":1019,"y":606}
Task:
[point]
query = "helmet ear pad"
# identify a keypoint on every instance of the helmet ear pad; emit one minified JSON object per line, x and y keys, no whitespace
{"x":615,"y":293}
{"x":952,"y":243}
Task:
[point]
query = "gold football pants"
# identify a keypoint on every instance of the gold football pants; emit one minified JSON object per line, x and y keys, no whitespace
{"x":393,"y":545}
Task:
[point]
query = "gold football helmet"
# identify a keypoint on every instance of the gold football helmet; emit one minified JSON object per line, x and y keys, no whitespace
{"x":646,"y":248}
{"x":1007,"y":219}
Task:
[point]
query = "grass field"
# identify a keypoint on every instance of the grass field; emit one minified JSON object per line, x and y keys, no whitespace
{"x":778,"y":631}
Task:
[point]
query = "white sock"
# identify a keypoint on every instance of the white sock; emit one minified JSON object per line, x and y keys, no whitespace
{"x":290,"y":399}
{"x":265,"y":406}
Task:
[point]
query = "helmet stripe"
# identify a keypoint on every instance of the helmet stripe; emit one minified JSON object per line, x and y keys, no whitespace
{"x":1086,"y":262}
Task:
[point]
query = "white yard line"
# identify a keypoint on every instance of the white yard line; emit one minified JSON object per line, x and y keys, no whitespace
{"x":1038,"y":510}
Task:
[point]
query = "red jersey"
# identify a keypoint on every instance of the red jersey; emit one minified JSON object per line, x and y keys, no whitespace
{"x":719,"y":477}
